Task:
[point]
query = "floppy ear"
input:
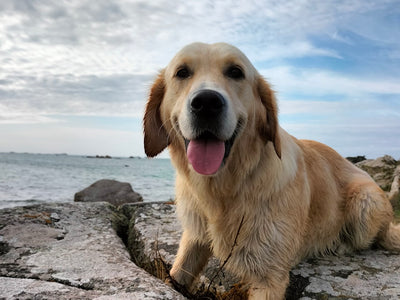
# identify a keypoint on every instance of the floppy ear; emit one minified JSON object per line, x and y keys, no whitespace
{"x":269,"y":127}
{"x":155,"y":135}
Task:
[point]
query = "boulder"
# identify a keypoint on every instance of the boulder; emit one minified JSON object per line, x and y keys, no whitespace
{"x":381,"y":170}
{"x":106,"y":190}
{"x":394,"y":194}
{"x":385,"y":171}
{"x":373,"y":274}
{"x":356,"y":159}
{"x":70,"y":251}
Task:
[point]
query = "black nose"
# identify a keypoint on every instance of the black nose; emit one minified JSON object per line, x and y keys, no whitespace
{"x":207,"y":103}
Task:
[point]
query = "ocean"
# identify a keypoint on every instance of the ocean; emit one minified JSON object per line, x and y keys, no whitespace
{"x":35,"y":178}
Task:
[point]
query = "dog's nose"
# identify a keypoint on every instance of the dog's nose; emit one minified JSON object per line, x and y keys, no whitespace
{"x":207,"y":103}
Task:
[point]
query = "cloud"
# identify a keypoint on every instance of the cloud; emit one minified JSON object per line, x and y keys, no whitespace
{"x":61,"y":58}
{"x":24,"y":118}
{"x":316,"y":82}
{"x":138,"y":37}
{"x":112,"y":95}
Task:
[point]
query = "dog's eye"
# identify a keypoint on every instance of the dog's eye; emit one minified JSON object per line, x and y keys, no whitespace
{"x":234,"y":72}
{"x":183,"y":73}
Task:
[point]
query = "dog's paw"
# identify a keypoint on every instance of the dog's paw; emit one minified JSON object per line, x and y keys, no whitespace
{"x":170,"y":282}
{"x":178,"y":287}
{"x":344,"y":249}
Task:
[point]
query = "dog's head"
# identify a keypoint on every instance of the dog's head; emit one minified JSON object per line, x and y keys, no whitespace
{"x":204,"y":101}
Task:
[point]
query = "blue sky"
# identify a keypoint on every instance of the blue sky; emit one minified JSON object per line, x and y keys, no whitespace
{"x":74,"y":75}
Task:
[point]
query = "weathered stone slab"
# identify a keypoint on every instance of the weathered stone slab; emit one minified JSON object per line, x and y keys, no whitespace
{"x":69,"y":251}
{"x":372,"y":274}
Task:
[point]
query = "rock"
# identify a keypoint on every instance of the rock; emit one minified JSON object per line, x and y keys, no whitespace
{"x":373,"y":274}
{"x":356,"y":159}
{"x":106,"y":190}
{"x":100,"y":156}
{"x":386,"y":173}
{"x":381,"y":170}
{"x":69,"y":251}
{"x":394,"y":194}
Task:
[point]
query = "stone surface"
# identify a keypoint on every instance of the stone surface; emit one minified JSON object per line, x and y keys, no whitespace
{"x":381,"y":170}
{"x":372,"y":274}
{"x":69,"y":251}
{"x":385,"y":171}
{"x":356,"y":159}
{"x":112,"y":191}
{"x":72,"y":251}
{"x":394,"y":193}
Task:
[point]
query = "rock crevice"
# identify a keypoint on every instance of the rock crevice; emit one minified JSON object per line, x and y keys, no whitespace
{"x":88,"y":262}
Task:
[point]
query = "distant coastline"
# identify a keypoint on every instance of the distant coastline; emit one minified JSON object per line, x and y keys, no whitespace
{"x":102,"y":156}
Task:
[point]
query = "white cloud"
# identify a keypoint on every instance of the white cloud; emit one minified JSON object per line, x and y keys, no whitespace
{"x":19,"y":118}
{"x":80,"y":58}
{"x":114,"y":95}
{"x":138,"y":37}
{"x":324,"y":82}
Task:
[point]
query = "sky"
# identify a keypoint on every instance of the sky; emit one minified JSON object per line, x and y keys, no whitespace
{"x":75,"y":75}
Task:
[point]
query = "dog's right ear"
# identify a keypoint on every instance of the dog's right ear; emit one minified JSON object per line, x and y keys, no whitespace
{"x":155,"y":135}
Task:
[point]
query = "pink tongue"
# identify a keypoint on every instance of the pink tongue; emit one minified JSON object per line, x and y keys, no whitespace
{"x":206,"y":155}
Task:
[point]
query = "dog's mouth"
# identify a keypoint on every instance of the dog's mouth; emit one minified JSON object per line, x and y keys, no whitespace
{"x":207,"y":154}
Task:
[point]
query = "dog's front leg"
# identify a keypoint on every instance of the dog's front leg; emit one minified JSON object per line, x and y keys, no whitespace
{"x":190,"y":260}
{"x":269,"y":291}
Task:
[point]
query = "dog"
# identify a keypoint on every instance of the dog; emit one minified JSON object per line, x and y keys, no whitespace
{"x":246,"y":189}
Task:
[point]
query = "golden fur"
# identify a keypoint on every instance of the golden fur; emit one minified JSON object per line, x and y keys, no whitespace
{"x":296,"y":197}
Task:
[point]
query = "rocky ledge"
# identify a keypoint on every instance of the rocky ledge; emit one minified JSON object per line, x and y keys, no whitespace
{"x":69,"y":251}
{"x":373,"y":274}
{"x":96,"y":251}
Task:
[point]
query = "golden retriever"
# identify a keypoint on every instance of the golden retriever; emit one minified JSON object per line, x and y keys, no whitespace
{"x":247,"y":189}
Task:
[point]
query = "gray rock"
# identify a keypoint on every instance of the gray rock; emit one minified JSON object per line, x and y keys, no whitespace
{"x":155,"y":234}
{"x":394,"y":193}
{"x":106,"y":190}
{"x":385,"y":171}
{"x":69,"y":251}
{"x":381,"y":170}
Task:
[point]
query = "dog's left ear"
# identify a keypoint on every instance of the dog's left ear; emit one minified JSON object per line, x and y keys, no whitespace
{"x":269,"y":127}
{"x":155,"y":135}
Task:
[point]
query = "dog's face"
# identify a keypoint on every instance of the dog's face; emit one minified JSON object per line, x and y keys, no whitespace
{"x":204,"y":101}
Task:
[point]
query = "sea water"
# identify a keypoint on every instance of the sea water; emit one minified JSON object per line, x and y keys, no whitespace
{"x":35,"y":178}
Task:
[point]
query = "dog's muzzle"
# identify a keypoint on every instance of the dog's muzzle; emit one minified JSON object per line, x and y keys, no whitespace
{"x":207,"y":109}
{"x":211,"y":146}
